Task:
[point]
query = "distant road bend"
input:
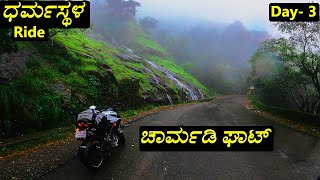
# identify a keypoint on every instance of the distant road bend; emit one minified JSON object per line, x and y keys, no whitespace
{"x":296,"y":155}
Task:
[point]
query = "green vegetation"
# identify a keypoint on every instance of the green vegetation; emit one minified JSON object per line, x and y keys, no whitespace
{"x":27,"y":105}
{"x":298,"y":116}
{"x":141,"y":40}
{"x":285,"y":71}
{"x":132,"y":112}
{"x":74,"y":71}
{"x":36,"y":142}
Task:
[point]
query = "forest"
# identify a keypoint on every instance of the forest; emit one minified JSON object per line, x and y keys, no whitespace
{"x":286,"y":70}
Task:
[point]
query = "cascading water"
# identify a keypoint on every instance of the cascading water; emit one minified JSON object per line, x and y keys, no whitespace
{"x":128,"y":49}
{"x":169,"y":99}
{"x":201,"y":93}
{"x":190,"y":92}
{"x":154,"y":77}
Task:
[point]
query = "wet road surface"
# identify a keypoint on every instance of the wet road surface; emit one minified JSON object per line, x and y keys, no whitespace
{"x":295,"y":156}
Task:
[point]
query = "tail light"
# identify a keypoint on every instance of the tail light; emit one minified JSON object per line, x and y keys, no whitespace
{"x":82,"y":125}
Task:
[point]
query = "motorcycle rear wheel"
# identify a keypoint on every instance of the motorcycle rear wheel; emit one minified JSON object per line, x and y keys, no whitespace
{"x":93,"y":158}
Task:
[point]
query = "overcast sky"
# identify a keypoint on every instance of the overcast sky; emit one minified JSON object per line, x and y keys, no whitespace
{"x":252,"y":13}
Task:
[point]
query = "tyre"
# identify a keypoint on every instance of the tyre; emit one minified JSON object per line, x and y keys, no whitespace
{"x":122,"y":140}
{"x":93,"y":158}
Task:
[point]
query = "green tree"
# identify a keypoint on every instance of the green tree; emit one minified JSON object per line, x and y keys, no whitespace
{"x":149,"y":23}
{"x":122,"y":9}
{"x":299,"y":55}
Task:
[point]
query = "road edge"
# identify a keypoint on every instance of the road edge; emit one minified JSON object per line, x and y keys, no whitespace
{"x":298,"y":126}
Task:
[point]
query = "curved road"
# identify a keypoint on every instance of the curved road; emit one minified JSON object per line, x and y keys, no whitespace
{"x":296,"y":155}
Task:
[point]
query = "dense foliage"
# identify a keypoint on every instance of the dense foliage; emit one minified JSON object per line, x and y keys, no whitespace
{"x":286,"y":71}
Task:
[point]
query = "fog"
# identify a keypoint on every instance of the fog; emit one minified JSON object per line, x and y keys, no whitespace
{"x":252,"y":13}
{"x":216,"y":53}
{"x":211,"y":39}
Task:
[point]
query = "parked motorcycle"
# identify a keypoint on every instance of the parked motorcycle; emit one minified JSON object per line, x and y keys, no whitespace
{"x":100,"y":132}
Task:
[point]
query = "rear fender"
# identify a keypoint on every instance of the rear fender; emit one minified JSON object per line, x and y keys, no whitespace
{"x":84,"y":149}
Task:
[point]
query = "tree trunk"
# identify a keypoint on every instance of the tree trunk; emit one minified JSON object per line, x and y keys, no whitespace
{"x":299,"y":107}
{"x":318,"y":109}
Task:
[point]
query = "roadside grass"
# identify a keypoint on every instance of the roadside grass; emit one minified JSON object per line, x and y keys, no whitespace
{"x":12,"y":148}
{"x":141,"y":40}
{"x":285,"y":113}
{"x":304,"y":122}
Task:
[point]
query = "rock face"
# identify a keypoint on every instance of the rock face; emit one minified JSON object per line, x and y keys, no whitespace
{"x":189,"y":90}
{"x":128,"y":58}
{"x":62,"y":89}
{"x":163,"y":92}
{"x":105,"y":76}
{"x":147,"y":50}
{"x":12,"y":65}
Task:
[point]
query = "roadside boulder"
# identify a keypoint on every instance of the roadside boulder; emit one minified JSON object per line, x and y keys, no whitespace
{"x":12,"y":65}
{"x":62,"y":89}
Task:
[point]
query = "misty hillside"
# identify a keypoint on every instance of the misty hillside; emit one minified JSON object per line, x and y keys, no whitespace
{"x":54,"y":80}
{"x":217,"y":54}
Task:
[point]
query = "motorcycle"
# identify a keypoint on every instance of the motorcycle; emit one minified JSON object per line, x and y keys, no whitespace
{"x":100,"y":132}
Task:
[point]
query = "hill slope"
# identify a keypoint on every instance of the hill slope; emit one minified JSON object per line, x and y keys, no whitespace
{"x":45,"y":83}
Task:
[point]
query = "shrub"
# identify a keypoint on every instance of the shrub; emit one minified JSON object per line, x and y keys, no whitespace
{"x":129,"y":92}
{"x":64,"y":67}
{"x":33,"y":63}
{"x":94,"y":88}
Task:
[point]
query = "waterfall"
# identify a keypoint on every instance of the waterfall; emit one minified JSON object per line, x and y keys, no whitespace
{"x":170,"y":99}
{"x":201,"y":93}
{"x":171,"y":76}
{"x":154,"y":77}
{"x":190,"y":92}
{"x":128,"y":49}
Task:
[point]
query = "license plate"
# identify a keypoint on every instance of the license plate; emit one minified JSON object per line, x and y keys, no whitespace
{"x":81,"y":134}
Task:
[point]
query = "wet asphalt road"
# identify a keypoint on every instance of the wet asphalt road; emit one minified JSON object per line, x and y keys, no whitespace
{"x":296,"y":155}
